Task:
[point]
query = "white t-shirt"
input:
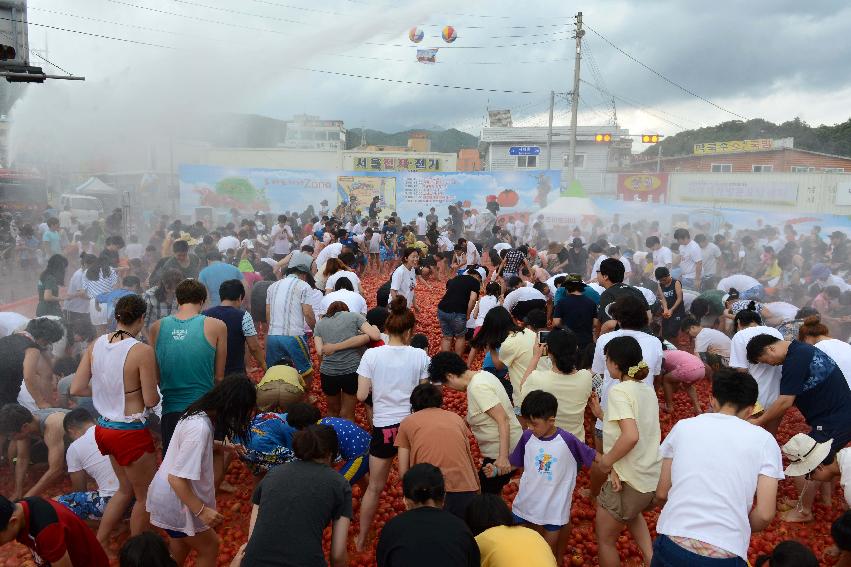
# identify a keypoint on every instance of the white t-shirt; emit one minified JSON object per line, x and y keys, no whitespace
{"x":486,"y":303}
{"x":330,"y":251}
{"x":767,"y":377}
{"x":403,"y":282}
{"x":307,"y":240}
{"x":189,"y":456}
{"x":375,"y":243}
{"x":525,"y":293}
{"x":596,"y":266}
{"x":690,"y":255}
{"x":663,"y":257}
{"x":359,"y":228}
{"x":444,"y":244}
{"x":500,"y":246}
{"x":781,"y":312}
{"x":473,"y":256}
{"x":838,"y":281}
{"x":710,"y":255}
{"x":741,"y":282}
{"x":394,"y":372}
{"x":651,"y":351}
{"x":355,"y":302}
{"x":11,"y":322}
{"x":282,"y":239}
{"x":228,"y":243}
{"x":712,"y":341}
{"x":840,"y":352}
{"x":84,"y":455}
{"x":649,"y":296}
{"x":351,"y":276}
{"x":422,"y":225}
{"x":134,"y":250}
{"x":627,"y":267}
{"x":713,"y":481}
{"x":552,"y":283}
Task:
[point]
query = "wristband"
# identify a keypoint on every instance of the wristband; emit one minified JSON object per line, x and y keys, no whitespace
{"x":201,"y":510}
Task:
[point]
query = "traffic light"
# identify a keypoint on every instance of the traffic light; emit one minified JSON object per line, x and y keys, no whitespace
{"x":7,"y":52}
{"x":650,"y":138}
{"x":602,"y":138}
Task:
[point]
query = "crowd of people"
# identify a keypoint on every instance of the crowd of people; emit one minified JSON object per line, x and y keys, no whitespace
{"x":153,"y":367}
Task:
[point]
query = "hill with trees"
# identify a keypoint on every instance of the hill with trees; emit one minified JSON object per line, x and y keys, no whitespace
{"x":449,"y":141}
{"x":834,"y":139}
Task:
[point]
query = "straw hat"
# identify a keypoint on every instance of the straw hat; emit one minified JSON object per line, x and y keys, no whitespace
{"x":804,"y":454}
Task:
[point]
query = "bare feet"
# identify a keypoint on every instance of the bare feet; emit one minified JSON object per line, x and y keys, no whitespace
{"x":794,"y":516}
{"x":360,"y":542}
{"x":227,"y":487}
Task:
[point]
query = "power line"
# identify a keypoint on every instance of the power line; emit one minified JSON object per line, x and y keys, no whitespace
{"x":663,"y":77}
{"x":205,"y":20}
{"x":416,"y":83}
{"x":121,"y":39}
{"x":371,"y":58}
{"x":634,"y":104}
{"x":239,"y":13}
{"x":122,"y":24}
{"x":465,"y":46}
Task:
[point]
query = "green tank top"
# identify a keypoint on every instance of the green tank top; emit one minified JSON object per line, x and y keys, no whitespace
{"x":186,"y":360}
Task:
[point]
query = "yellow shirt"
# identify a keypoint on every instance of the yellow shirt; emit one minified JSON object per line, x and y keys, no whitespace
{"x":286,"y":374}
{"x":642,"y":465}
{"x":516,"y":354}
{"x":483,"y":393}
{"x":515,"y":546}
{"x":572,"y":392}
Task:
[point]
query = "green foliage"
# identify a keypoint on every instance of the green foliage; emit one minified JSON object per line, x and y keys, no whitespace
{"x":834,"y":140}
{"x":449,"y":141}
{"x":238,"y":188}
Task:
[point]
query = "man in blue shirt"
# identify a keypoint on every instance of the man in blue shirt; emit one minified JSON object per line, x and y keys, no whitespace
{"x":51,"y":238}
{"x":814,"y":383}
{"x":215,"y":274}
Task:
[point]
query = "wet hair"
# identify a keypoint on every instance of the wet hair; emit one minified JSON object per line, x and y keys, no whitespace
{"x":408,"y":251}
{"x":738,"y":389}
{"x":732,"y":294}
{"x":496,"y":327}
{"x":745,"y":318}
{"x":812,"y":327}
{"x":233,"y":400}
{"x":130,"y":309}
{"x":426,"y":396}
{"x":301,"y":415}
{"x":661,"y":273}
{"x":562,"y":348}
{"x":625,"y":352}
{"x":180,"y":246}
{"x":75,"y":418}
{"x":145,"y":550}
{"x":444,"y":363}
{"x":487,"y":511}
{"x":420,"y":341}
{"x":232,"y":290}
{"x":493,"y":288}
{"x":376,"y":316}
{"x":512,"y":282}
{"x":13,"y":417}
{"x":613,"y":269}
{"x":630,"y":312}
{"x":401,"y":319}
{"x":190,"y":291}
{"x":788,"y":553}
{"x":315,"y":442}
{"x":595,"y":248}
{"x":681,"y":233}
{"x":805,"y":312}
{"x":651,"y":241}
{"x":65,"y":366}
{"x":344,"y":283}
{"x":757,"y":345}
{"x":688,"y":323}
{"x":832,"y":292}
{"x":840,"y":531}
{"x":335,"y":308}
{"x":56,"y":266}
{"x":536,"y":319}
{"x":539,"y":404}
{"x":42,"y":328}
{"x":333,"y":265}
{"x":423,"y":482}
{"x":699,"y":307}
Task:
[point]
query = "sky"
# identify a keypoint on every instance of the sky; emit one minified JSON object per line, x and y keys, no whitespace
{"x":772,"y":59}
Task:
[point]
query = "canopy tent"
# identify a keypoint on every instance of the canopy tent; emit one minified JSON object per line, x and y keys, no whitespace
{"x":572,"y":208}
{"x":94,"y":187}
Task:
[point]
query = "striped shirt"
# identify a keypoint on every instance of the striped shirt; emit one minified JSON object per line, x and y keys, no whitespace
{"x":285,"y":299}
{"x":101,"y":285}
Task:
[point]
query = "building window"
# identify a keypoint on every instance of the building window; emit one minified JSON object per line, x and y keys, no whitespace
{"x":578,"y":161}
{"x":762,"y":168}
{"x":722,"y":168}
{"x":834,"y":170}
{"x":527,"y":161}
{"x":802,"y":169}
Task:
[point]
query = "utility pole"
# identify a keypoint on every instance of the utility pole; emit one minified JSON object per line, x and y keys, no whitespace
{"x":574,"y":101}
{"x":550,"y":132}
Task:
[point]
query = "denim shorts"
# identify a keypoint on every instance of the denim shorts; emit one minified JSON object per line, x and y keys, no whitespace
{"x":452,"y":324}
{"x":666,"y":553}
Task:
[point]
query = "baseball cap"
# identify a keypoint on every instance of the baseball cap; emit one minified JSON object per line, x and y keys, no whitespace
{"x":577,"y":243}
{"x":820,"y":271}
{"x":300,"y":261}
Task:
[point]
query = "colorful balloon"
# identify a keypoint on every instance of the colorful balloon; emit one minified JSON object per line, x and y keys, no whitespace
{"x":415,"y":34}
{"x":449,"y":34}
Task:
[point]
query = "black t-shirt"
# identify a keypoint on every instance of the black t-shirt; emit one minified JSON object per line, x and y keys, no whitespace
{"x":12,"y":352}
{"x":458,"y":294}
{"x":382,"y":295}
{"x":577,"y":313}
{"x":820,"y":389}
{"x":297,"y":502}
{"x":613,"y":293}
{"x":577,"y":261}
{"x":426,"y":537}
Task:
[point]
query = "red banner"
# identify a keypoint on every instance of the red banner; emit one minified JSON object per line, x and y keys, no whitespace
{"x":643,"y":187}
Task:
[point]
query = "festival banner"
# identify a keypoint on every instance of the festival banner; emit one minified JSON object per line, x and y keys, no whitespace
{"x":643,"y":187}
{"x":363,"y":188}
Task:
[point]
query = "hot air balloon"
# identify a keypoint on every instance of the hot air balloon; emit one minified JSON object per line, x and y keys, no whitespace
{"x":415,"y":34}
{"x":449,"y":34}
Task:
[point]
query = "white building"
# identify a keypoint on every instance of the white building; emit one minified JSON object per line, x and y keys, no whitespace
{"x":307,"y":132}
{"x":511,"y":148}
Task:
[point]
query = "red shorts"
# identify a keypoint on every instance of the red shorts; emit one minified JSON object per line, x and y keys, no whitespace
{"x":126,"y":445}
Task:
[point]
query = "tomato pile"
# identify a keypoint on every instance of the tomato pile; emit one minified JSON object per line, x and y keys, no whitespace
{"x":582,"y":547}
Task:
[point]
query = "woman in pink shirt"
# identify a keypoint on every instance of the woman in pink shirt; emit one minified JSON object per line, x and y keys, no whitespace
{"x":684,"y":369}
